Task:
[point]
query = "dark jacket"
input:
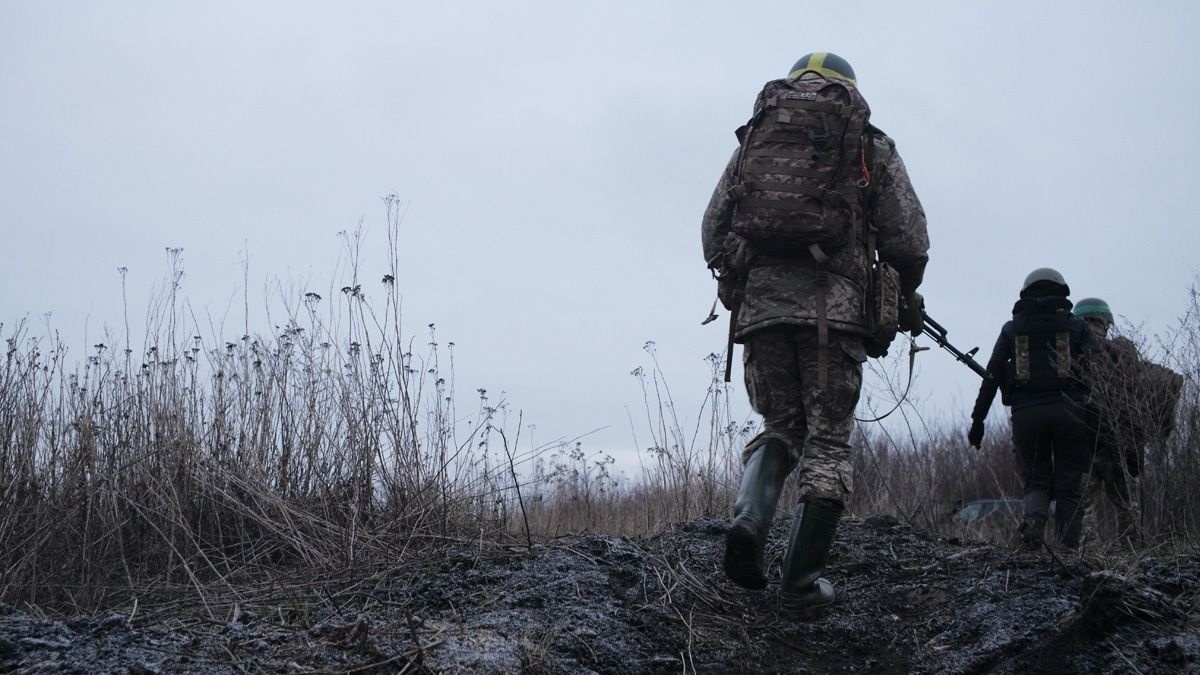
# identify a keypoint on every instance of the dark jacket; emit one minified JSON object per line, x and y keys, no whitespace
{"x":1083,"y":345}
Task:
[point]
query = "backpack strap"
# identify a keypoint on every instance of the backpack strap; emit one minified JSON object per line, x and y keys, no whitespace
{"x":822,"y":316}
{"x":1062,"y":362}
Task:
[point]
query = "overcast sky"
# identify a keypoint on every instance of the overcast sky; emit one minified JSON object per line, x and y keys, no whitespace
{"x":556,"y":158}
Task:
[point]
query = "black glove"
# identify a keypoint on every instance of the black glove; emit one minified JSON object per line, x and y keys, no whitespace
{"x":912,"y":320}
{"x":975,"y":435}
{"x":876,"y":349}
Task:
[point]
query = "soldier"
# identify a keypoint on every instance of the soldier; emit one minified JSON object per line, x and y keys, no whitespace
{"x":1037,"y":362}
{"x":793,"y":227}
{"x":1133,"y":401}
{"x":1114,"y":467}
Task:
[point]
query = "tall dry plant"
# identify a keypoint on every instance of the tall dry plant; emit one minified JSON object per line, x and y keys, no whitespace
{"x":687,"y":469}
{"x":198,"y":463}
{"x":694,"y":464}
{"x":201,"y":466}
{"x":1169,"y":486}
{"x":912,"y":468}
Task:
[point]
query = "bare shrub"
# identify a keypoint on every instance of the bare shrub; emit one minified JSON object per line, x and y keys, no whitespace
{"x":199,"y":464}
{"x":685,"y":471}
{"x":923,"y":486}
{"x":1169,"y":488}
{"x":913,"y":469}
{"x":208,"y":468}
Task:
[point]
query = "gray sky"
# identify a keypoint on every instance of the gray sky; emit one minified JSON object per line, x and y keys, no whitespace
{"x":557,"y":157}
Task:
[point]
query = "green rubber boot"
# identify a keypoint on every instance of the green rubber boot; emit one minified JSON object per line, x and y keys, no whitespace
{"x":802,"y":586}
{"x":746,"y":539}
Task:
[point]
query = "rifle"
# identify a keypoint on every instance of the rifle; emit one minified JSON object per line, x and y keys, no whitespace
{"x":733,"y":317}
{"x":938,"y":333}
{"x":735,"y":300}
{"x":731,"y":283}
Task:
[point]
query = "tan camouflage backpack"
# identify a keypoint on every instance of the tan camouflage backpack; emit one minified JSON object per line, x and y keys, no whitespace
{"x":1134,"y":400}
{"x":802,"y":166}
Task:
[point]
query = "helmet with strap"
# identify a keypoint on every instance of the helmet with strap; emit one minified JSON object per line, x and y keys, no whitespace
{"x":824,"y":63}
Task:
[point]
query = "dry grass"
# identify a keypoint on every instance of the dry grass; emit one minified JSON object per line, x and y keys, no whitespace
{"x":919,"y":474}
{"x":204,"y":463}
{"x":205,"y":467}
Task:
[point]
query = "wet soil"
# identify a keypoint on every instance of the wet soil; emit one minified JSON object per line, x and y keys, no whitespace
{"x":909,"y":601}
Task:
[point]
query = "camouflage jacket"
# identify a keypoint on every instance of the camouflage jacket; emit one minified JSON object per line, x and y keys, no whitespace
{"x":1132,"y":398}
{"x":785,"y":292}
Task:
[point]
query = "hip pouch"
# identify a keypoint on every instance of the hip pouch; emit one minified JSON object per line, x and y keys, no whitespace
{"x":885,"y":303}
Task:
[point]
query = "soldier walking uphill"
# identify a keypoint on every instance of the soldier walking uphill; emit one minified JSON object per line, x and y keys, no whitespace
{"x":1037,"y":361}
{"x":810,"y":197}
{"x":1133,"y":404}
{"x":1110,"y":472}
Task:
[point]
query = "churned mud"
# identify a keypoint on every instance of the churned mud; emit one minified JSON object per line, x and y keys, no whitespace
{"x":910,"y":601}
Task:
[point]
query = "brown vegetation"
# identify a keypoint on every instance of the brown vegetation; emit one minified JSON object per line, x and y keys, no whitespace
{"x":200,"y":468}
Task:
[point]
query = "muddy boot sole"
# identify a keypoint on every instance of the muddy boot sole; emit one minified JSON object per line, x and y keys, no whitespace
{"x":742,"y":558}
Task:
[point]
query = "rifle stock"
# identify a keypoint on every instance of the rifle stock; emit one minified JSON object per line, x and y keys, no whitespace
{"x":937,"y":332}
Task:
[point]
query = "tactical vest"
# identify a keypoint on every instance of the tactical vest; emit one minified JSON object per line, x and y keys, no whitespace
{"x":1042,"y":352}
{"x":802,"y":166}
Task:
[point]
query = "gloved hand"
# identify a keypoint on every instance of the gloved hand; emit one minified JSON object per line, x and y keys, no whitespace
{"x":876,"y":349}
{"x":975,"y":435}
{"x":912,"y":321}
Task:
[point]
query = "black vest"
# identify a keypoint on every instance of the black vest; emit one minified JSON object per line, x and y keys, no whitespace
{"x":1044,"y":352}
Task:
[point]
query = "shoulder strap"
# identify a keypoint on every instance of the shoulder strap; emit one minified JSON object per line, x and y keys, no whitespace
{"x":822,"y":316}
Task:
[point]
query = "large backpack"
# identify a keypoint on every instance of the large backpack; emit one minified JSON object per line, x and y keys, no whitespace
{"x":802,"y":166}
{"x":1136,"y":401}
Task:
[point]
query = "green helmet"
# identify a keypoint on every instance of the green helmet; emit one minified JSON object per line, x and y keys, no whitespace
{"x":824,"y":63}
{"x":1088,"y":308}
{"x":1043,"y":275}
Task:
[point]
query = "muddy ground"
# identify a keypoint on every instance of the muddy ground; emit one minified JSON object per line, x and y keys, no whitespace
{"x":910,"y":601}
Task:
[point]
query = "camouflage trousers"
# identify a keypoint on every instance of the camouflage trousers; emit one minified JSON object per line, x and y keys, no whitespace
{"x":781,"y":364}
{"x":1109,"y":476}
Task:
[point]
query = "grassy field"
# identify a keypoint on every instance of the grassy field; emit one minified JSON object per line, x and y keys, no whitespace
{"x":184,"y":466}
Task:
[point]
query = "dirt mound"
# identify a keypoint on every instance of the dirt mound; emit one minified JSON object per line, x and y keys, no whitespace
{"x":909,"y":601}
